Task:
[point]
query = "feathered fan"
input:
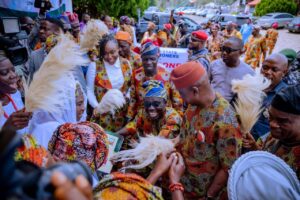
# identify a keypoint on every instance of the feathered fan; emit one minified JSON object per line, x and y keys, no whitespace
{"x":45,"y":90}
{"x":94,"y":31}
{"x":250,"y":92}
{"x":1,"y":109}
{"x":111,"y":101}
{"x":145,"y":152}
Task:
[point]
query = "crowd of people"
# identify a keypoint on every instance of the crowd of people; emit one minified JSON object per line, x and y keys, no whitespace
{"x":194,"y":104}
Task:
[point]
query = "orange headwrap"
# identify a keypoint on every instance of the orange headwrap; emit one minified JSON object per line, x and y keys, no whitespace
{"x":123,"y":36}
{"x":187,"y":74}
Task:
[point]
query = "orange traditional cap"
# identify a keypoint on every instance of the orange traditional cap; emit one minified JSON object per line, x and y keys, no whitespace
{"x":200,"y":35}
{"x":187,"y":74}
{"x":124,"y":36}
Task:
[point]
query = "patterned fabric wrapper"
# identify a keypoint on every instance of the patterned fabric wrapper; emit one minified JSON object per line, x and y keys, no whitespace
{"x":51,"y":41}
{"x":149,"y":49}
{"x":31,"y":151}
{"x":117,"y":186}
{"x":85,"y":141}
{"x":155,"y":88}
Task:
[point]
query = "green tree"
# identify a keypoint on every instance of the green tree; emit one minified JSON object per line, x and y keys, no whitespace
{"x":153,"y":3}
{"x":269,"y":6}
{"x":114,"y":8}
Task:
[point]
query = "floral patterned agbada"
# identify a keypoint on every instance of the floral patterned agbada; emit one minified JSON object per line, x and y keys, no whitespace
{"x":135,"y":60}
{"x":255,"y":49}
{"x":31,"y":151}
{"x":234,"y":33}
{"x":211,"y":141}
{"x":271,"y":39}
{"x":291,"y":155}
{"x":214,"y":45}
{"x":168,"y":126}
{"x":117,"y":186}
{"x":102,"y":85}
{"x":137,"y":91}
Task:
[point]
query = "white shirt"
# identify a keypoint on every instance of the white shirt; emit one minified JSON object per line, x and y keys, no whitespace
{"x":9,"y":109}
{"x":115,"y":74}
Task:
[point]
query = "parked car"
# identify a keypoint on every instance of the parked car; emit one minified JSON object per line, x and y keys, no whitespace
{"x":190,"y":11}
{"x":283,"y":19}
{"x":223,"y":19}
{"x":152,"y":9}
{"x":202,"y":13}
{"x":211,"y":13}
{"x":163,"y":18}
{"x":294,"y":25}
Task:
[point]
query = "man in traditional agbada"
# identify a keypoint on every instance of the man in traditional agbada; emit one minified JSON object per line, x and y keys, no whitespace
{"x":155,"y":118}
{"x":151,"y":70}
{"x":125,"y":51}
{"x":271,"y":37}
{"x":255,"y":48}
{"x":284,"y":138}
{"x":230,"y":31}
{"x":211,"y":138}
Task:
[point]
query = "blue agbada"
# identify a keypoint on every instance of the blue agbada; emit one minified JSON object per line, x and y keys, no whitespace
{"x":154,"y":88}
{"x":149,"y":49}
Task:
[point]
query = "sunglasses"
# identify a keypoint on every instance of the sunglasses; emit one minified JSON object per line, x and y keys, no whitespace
{"x":155,"y":104}
{"x":228,"y":49}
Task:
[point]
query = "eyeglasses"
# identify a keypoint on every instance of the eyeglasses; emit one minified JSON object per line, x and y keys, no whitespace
{"x":228,"y":49}
{"x":155,"y":104}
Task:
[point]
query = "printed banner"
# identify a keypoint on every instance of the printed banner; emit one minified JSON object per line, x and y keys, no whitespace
{"x":172,"y":57}
{"x":28,"y":5}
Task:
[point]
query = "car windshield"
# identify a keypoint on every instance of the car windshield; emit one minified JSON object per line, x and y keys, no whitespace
{"x":147,"y":16}
{"x":164,"y":20}
{"x":227,"y":18}
{"x":241,"y":21}
{"x":267,"y":16}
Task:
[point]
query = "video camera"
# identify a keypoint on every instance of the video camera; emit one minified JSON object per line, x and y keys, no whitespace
{"x":43,"y":4}
{"x":24,"y":180}
{"x":10,"y":34}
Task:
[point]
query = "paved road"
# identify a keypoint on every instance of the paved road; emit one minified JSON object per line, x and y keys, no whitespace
{"x":285,"y":39}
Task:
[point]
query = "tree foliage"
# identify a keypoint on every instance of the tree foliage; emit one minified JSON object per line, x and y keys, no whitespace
{"x":114,"y":8}
{"x":269,"y":6}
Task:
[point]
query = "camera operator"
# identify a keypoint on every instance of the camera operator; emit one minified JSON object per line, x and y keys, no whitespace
{"x":27,"y":24}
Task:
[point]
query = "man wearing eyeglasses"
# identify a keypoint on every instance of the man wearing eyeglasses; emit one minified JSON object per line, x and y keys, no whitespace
{"x":229,"y":67}
{"x":156,"y":117}
{"x":197,"y":48}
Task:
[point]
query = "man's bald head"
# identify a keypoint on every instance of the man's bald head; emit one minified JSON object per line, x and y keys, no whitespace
{"x":275,"y":68}
{"x":278,"y":58}
{"x":238,"y":43}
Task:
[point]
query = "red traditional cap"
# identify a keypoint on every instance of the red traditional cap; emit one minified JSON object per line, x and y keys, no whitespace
{"x":200,"y":35}
{"x":73,"y":17}
{"x":158,"y":42}
{"x":137,"y":50}
{"x":187,"y":74}
{"x":275,"y":25}
{"x":168,"y":26}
